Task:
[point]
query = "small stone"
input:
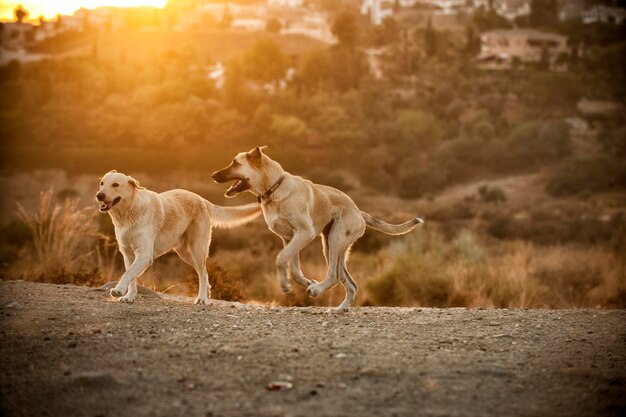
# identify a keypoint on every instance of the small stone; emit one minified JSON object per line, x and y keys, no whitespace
{"x":72,"y":345}
{"x":279,"y":386}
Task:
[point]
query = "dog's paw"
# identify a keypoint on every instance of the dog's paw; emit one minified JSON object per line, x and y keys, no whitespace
{"x":337,"y":310}
{"x":126,"y":299}
{"x":202,"y":301}
{"x":117,"y":292}
{"x":314,"y":290}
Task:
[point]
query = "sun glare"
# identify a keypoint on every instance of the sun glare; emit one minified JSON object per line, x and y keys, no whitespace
{"x":49,"y":9}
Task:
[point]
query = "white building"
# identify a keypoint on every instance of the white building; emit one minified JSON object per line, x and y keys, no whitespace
{"x":503,"y":48}
{"x":285,"y":3}
{"x":377,"y":10}
{"x":312,"y":25}
{"x":604,"y":14}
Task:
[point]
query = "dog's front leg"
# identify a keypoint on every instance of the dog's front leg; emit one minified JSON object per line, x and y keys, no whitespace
{"x":292,"y":250}
{"x":132,"y":287}
{"x":143,"y":259}
{"x":296,"y":273}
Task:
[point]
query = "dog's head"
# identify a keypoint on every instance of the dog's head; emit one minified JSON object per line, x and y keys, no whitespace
{"x":116,"y":188}
{"x":243,"y":170}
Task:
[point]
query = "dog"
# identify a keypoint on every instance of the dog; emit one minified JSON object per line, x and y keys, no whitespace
{"x":148,"y":224}
{"x":298,"y":211}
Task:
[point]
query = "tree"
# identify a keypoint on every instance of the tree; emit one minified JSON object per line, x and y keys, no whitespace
{"x":315,"y":68}
{"x":544,"y":12}
{"x":273,"y":26}
{"x":430,"y":39}
{"x":388,"y":32}
{"x":345,"y":29}
{"x":472,"y":41}
{"x":20,"y":13}
{"x":265,"y":62}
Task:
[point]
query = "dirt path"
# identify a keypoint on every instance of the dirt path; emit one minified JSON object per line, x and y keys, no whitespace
{"x":72,"y":351}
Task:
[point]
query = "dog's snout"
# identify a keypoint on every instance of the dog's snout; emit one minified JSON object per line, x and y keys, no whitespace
{"x":217,"y":176}
{"x":100,"y":196}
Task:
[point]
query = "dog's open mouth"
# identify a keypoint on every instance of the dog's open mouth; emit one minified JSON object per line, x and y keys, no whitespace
{"x":106,"y":206}
{"x":237,"y":187}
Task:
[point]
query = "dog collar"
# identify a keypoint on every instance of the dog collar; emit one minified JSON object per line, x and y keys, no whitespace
{"x":271,"y":190}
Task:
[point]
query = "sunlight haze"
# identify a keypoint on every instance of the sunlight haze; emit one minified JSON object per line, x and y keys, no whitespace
{"x":49,"y":9}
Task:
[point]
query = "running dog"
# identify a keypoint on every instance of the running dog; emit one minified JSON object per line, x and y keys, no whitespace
{"x":298,"y":211}
{"x":148,"y":224}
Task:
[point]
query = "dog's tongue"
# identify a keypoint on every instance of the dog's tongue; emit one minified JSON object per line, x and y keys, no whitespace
{"x":104,"y":206}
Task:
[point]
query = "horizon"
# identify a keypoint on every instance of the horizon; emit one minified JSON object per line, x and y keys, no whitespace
{"x":50,"y":9}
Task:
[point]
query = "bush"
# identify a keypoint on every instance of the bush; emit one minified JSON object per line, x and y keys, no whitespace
{"x":58,"y":232}
{"x":587,"y":174}
{"x":491,"y":195}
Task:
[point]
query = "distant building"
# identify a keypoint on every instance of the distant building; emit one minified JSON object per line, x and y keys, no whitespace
{"x":570,"y":9}
{"x":16,"y":34}
{"x":512,"y":9}
{"x":604,"y":14}
{"x":377,"y":10}
{"x":506,"y":48}
{"x":285,"y":3}
{"x":313,"y":25}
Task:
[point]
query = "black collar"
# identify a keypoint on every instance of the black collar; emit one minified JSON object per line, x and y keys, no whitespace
{"x":271,"y":190}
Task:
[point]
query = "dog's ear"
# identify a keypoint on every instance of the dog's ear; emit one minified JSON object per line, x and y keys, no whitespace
{"x":134,"y":183}
{"x":257,"y":152}
{"x":113,"y":171}
{"x":263,"y":148}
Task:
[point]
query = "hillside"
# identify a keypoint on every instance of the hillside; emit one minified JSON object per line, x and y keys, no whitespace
{"x":70,"y":350}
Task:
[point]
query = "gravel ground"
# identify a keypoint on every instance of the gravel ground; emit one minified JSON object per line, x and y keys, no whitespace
{"x":73,"y":351}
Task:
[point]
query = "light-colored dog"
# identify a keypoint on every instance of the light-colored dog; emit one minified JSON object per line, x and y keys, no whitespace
{"x":148,"y":224}
{"x":298,"y":211}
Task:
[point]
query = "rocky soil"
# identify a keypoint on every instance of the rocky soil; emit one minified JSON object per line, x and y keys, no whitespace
{"x":74,"y":351}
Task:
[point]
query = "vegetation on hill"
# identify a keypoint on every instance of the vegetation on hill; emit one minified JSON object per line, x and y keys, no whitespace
{"x":431,"y":122}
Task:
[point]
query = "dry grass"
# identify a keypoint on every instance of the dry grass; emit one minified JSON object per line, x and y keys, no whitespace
{"x":421,"y":269}
{"x":59,"y":232}
{"x":426,"y":270}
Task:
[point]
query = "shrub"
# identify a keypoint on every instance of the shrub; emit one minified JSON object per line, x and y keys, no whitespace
{"x":592,"y":174}
{"x":58,"y":232}
{"x":288,"y":129}
{"x":491,"y":195}
{"x":420,"y":128}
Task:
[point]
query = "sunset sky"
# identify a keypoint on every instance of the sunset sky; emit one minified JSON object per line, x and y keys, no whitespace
{"x":49,"y":9}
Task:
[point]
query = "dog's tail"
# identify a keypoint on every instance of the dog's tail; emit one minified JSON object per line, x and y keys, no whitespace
{"x":227,"y":217}
{"x":391,"y":229}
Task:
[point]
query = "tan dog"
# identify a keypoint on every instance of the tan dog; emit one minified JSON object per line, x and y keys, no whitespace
{"x":148,"y":224}
{"x":298,"y":211}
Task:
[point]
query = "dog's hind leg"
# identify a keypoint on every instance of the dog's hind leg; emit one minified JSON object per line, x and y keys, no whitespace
{"x":334,"y":245}
{"x":349,"y":285}
{"x":195,"y":252}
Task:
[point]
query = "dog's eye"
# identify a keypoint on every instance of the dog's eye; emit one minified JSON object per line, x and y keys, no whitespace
{"x":101,"y":182}
{"x":115,"y":184}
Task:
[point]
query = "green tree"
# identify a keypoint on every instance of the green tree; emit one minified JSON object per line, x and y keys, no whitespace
{"x":430,"y":39}
{"x":543,"y":12}
{"x":265,"y":62}
{"x":315,"y":68}
{"x":20,"y":13}
{"x":345,"y":29}
{"x":421,"y":130}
